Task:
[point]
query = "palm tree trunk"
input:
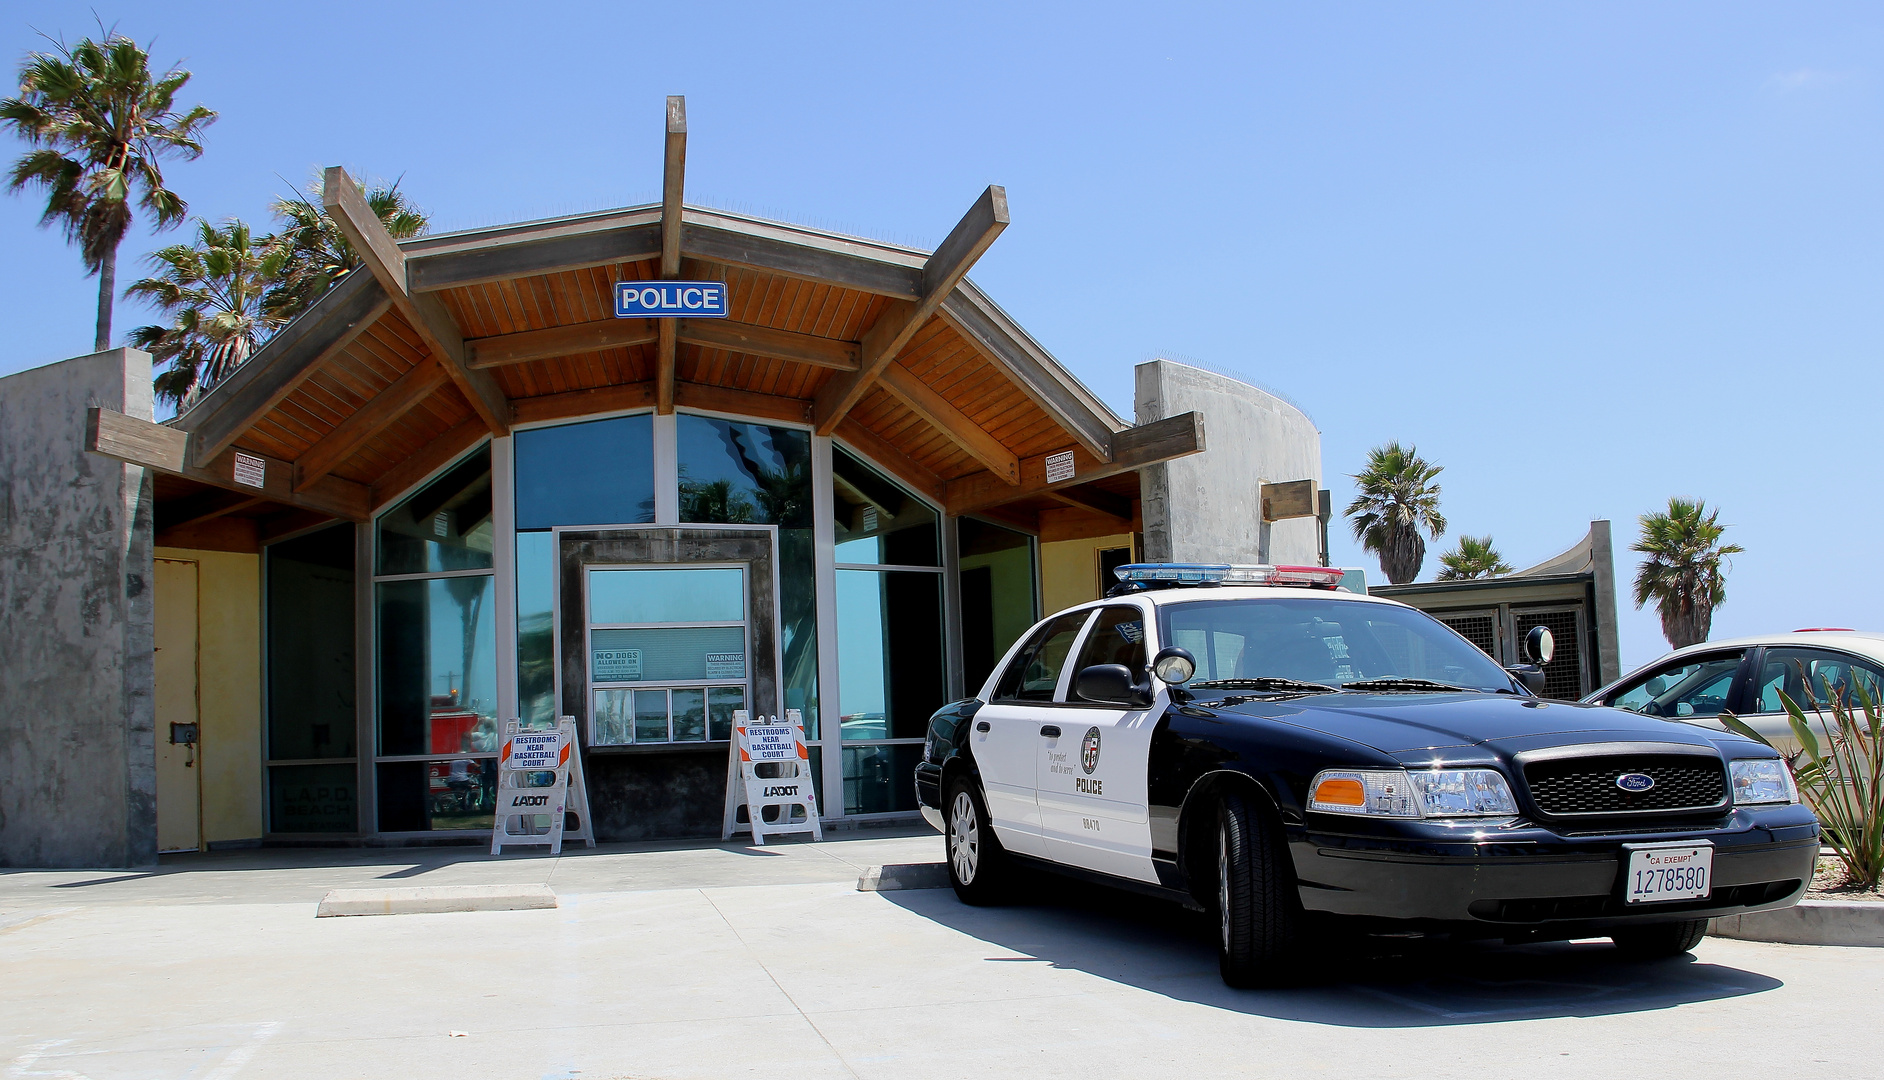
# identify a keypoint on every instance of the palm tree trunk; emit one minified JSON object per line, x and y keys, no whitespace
{"x":107,"y":285}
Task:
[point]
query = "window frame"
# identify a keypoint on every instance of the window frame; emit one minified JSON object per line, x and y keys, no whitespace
{"x":1751,"y":671}
{"x":588,"y":648}
{"x":1736,"y":690}
{"x":1039,"y":636}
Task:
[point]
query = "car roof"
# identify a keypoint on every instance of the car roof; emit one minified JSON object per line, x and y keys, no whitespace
{"x":1868,"y":642}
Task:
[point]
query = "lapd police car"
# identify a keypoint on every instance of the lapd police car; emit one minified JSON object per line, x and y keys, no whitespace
{"x":1298,"y":760}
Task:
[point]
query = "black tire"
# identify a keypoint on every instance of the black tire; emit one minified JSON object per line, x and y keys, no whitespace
{"x":1659,"y":941}
{"x":978,"y":865}
{"x":1259,"y":912}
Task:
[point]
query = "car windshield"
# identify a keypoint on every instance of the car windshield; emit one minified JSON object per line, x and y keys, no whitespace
{"x":1333,"y":642}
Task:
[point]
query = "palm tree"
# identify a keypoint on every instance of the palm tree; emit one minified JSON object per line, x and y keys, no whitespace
{"x":1682,"y":573}
{"x":99,"y":123}
{"x":317,"y":254}
{"x":212,"y":290}
{"x":1398,"y":499}
{"x":1473,"y":558}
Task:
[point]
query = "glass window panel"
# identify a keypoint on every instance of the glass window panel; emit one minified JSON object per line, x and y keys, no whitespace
{"x":997,"y":580}
{"x":1034,"y":674}
{"x":445,"y":525}
{"x":689,"y":715}
{"x":312,"y":799}
{"x":613,"y":718}
{"x":437,"y":666}
{"x":650,"y":716}
{"x":1118,"y":637}
{"x":877,"y":778}
{"x":1812,"y":677}
{"x":721,"y":703}
{"x":877,"y":521}
{"x":733,"y":473}
{"x":536,"y":639}
{"x":678,"y":654}
{"x":595,"y":473}
{"x":889,"y":652}
{"x":667,"y":596}
{"x":310,"y":646}
{"x":429,"y":796}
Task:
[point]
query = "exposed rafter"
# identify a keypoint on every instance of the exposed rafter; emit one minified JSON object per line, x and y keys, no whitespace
{"x":673,"y":187}
{"x":347,"y":206}
{"x":369,"y":420}
{"x":899,"y":322}
{"x":1095,"y":499}
{"x":951,"y":421}
{"x":167,"y":450}
{"x":502,"y":349}
{"x":1131,"y":450}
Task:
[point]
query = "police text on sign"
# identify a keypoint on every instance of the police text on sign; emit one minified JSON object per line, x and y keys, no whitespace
{"x":667,"y":299}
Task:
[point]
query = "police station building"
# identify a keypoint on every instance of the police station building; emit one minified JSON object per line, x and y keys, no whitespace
{"x":642,"y":467}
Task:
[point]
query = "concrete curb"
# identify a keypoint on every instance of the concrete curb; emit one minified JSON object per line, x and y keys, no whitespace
{"x":432,"y":899}
{"x":897,"y":876}
{"x":1809,"y":922}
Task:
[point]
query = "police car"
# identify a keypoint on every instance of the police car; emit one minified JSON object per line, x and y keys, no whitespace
{"x":1300,"y":760}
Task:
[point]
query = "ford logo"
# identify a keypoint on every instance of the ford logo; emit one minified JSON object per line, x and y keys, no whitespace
{"x":1635,"y":782}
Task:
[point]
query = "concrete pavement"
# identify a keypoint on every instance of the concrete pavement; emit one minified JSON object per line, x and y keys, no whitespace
{"x":733,"y":961}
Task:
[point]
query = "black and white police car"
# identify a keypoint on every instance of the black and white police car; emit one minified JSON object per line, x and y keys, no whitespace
{"x":1300,"y":759}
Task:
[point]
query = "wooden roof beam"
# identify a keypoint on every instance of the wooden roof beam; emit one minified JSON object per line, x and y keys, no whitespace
{"x":369,"y":420}
{"x":205,"y":506}
{"x":431,"y":457}
{"x":673,"y":186}
{"x":499,"y":350}
{"x":167,"y":450}
{"x":748,"y":338}
{"x":1132,"y":449}
{"x":899,"y":322}
{"x":1097,"y":500}
{"x":346,"y":204}
{"x":951,"y":421}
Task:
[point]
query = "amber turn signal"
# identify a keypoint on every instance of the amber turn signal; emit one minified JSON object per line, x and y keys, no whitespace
{"x":1340,"y":791}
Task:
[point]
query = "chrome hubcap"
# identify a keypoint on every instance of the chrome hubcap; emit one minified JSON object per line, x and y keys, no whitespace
{"x":964,"y":838}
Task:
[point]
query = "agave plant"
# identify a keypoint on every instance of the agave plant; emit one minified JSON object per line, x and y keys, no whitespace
{"x":1840,"y":774}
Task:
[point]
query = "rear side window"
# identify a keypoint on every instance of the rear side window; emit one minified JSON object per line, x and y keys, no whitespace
{"x":1117,"y":638}
{"x":1034,"y":673}
{"x":1814,"y":677}
{"x":1691,"y":686}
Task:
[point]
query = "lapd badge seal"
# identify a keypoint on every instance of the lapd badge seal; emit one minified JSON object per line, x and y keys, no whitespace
{"x":1089,"y":750}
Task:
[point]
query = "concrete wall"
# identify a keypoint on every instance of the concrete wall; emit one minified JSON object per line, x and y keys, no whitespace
{"x":77,"y":756}
{"x":1206,"y":507}
{"x":229,"y":633}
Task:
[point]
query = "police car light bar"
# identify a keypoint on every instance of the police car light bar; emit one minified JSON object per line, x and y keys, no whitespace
{"x":1153,"y":575}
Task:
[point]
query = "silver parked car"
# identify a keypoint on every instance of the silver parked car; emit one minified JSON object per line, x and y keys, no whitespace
{"x":1745,"y":676}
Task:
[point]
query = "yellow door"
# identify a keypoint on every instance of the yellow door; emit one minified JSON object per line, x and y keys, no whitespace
{"x":179,"y":779}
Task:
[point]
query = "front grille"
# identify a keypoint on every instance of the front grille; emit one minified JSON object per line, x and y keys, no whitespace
{"x":1588,"y":785}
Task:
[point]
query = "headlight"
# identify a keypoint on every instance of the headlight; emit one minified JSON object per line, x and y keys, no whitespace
{"x":1463,"y":792}
{"x":1762,"y":780}
{"x":1402,"y":793}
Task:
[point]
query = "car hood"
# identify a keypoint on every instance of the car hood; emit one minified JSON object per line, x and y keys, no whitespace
{"x":1400,"y":724}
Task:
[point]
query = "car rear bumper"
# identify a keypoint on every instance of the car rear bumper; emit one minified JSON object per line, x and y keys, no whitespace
{"x":1544,"y":883}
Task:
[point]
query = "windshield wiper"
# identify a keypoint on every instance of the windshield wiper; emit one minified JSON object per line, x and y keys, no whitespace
{"x":1266,"y":682}
{"x":1409,"y":684}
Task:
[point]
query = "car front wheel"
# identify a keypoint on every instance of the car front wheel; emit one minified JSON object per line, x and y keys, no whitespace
{"x":1660,"y":940}
{"x":1260,"y":915}
{"x":977,"y":863}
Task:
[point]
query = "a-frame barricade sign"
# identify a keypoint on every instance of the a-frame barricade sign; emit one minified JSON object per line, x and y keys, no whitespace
{"x":539,"y":788}
{"x":769,"y":768}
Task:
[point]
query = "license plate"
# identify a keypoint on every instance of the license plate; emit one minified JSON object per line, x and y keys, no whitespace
{"x":1662,"y":872}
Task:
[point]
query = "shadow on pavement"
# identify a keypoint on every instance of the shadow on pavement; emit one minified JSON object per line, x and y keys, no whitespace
{"x":1367,"y":983}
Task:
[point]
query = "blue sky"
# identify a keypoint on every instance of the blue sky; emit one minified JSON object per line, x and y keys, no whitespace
{"x":1585,"y":257}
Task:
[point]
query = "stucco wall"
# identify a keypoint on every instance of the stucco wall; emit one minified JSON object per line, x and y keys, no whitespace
{"x":1206,"y":507}
{"x":230,"y":703}
{"x":1069,"y":570}
{"x":77,"y":757}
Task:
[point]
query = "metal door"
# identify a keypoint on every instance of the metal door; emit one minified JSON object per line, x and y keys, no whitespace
{"x":179,"y":719}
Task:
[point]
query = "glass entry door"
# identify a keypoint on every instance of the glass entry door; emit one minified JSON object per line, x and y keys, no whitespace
{"x":668,"y":653}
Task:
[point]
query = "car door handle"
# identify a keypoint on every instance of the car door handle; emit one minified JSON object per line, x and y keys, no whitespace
{"x":1049,"y":731}
{"x":982,"y":726}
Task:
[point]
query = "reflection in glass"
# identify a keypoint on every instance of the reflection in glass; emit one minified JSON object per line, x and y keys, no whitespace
{"x":445,"y":525}
{"x":536,"y":640}
{"x":714,"y":594}
{"x":889,"y":652}
{"x":437,"y":666}
{"x":422,"y":796}
{"x":312,"y":799}
{"x":310,"y":646}
{"x":877,"y":521}
{"x":595,"y":473}
{"x":733,"y":473}
{"x":997,"y":579}
{"x":877,"y":778}
{"x":651,"y":716}
{"x":721,"y":703}
{"x":612,"y":722}
{"x":689,"y":715}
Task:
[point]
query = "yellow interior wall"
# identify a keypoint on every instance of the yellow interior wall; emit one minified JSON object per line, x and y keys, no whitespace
{"x":230,"y":741}
{"x":1069,"y":569}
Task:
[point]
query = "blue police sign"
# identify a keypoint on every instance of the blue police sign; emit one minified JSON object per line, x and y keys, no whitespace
{"x":667,"y":299}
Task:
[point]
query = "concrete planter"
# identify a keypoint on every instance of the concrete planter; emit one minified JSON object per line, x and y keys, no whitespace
{"x":1810,"y":922}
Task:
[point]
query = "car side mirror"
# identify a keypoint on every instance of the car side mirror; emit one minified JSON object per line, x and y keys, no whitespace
{"x":1174,"y":665}
{"x":1530,"y":675}
{"x":1539,"y":645}
{"x":1682,"y":708}
{"x":1111,"y":684}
